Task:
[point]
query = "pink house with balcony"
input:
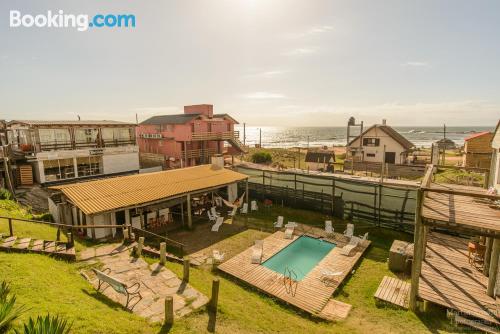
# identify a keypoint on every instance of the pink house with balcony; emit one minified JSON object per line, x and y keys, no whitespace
{"x":187,"y":139}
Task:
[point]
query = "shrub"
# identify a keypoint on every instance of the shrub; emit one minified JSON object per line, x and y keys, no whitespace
{"x":262,"y":158}
{"x":46,"y":325}
{"x":8,"y":310}
{"x":46,"y":217}
{"x":5,"y":194}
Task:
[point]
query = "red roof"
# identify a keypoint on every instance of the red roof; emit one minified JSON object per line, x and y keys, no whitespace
{"x":477,"y":135}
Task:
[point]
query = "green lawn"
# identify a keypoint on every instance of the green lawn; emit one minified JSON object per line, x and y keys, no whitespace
{"x":48,"y":285}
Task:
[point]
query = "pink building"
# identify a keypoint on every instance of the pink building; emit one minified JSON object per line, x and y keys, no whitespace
{"x":187,"y":139}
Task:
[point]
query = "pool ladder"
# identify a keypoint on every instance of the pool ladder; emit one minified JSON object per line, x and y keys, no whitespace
{"x":290,"y":281}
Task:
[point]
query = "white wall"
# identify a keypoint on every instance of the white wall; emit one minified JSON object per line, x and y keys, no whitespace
{"x":391,"y":145}
{"x":103,"y":219}
{"x":118,"y":163}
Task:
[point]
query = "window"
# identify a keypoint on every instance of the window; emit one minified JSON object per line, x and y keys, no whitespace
{"x":54,"y":138}
{"x":371,"y":141}
{"x":86,"y":136}
{"x":91,"y":165}
{"x":117,"y":135}
{"x":371,"y":155}
{"x":58,"y":169}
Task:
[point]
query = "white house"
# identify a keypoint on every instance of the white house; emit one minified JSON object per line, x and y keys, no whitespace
{"x":379,"y":143}
{"x":494,"y":178}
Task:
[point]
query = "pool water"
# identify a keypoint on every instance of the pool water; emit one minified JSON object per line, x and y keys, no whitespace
{"x":301,"y":256}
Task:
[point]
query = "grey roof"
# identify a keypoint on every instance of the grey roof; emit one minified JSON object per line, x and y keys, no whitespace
{"x":170,"y":119}
{"x":392,"y":133}
{"x":319,"y":156}
{"x":178,"y":119}
{"x":72,"y":122}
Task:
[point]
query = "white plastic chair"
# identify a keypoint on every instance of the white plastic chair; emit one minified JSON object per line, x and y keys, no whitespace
{"x":254,"y":206}
{"x":289,"y":230}
{"x":328,"y":227}
{"x":279,"y":222}
{"x":329,"y":275}
{"x":346,"y":250}
{"x":215,"y":214}
{"x":210,"y":216}
{"x":218,"y":256}
{"x":218,"y":223}
{"x":349,"y":232}
{"x":257,"y":250}
{"x":244,"y":209}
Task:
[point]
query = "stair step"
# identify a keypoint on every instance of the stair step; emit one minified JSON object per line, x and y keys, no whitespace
{"x":7,"y":243}
{"x":37,"y":245}
{"x":23,"y":243}
{"x":49,"y":246}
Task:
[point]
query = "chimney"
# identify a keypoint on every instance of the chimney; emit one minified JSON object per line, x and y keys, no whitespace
{"x":384,"y":122}
{"x":204,"y":109}
{"x":217,"y":161}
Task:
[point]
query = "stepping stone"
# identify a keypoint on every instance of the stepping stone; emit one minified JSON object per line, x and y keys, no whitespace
{"x":37,"y":245}
{"x":23,"y":243}
{"x":7,"y":243}
{"x":60,"y":247}
{"x":49,"y":246}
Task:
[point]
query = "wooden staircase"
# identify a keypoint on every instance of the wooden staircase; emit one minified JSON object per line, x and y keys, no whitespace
{"x":27,"y":245}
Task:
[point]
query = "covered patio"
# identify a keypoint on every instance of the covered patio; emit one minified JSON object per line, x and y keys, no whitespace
{"x":458,"y":273}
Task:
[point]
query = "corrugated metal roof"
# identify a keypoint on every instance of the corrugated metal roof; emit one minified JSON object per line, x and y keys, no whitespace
{"x":127,"y":191}
{"x":80,"y":123}
{"x":475,"y":135}
{"x":170,"y":119}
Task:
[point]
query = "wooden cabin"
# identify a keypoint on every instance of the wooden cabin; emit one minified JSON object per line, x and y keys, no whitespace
{"x":320,"y":160}
{"x":477,"y":150}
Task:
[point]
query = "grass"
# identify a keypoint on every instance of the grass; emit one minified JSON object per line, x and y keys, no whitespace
{"x":48,"y":285}
{"x":461,"y":177}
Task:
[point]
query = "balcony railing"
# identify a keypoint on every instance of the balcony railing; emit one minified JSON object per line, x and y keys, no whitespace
{"x":189,"y":154}
{"x":215,"y":135}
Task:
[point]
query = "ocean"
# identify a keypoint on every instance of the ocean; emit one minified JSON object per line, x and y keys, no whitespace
{"x":286,"y":137}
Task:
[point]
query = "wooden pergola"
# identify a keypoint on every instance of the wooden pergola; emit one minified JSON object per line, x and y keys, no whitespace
{"x":463,"y":210}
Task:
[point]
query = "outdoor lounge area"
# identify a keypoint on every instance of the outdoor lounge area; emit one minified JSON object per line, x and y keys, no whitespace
{"x":309,"y":291}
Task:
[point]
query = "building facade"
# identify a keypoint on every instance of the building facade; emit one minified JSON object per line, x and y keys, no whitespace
{"x":187,"y":139}
{"x":494,"y":175}
{"x":477,"y":150}
{"x":379,"y":143}
{"x":62,"y":151}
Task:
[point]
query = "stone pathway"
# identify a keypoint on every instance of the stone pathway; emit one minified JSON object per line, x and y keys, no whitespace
{"x":156,"y":281}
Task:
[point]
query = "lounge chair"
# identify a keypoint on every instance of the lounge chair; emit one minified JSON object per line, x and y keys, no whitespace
{"x":244,"y":209}
{"x":254,"y":206}
{"x":346,"y":250}
{"x":214,"y":212}
{"x":212,"y":218}
{"x":328,"y":275}
{"x":279,"y":222}
{"x":289,"y":230}
{"x":349,"y":232}
{"x":218,"y":223}
{"x":257,"y":250}
{"x":328,"y":228}
{"x":218,"y":256}
{"x":364,"y":237}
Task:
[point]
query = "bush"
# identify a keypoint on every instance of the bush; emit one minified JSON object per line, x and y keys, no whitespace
{"x":8,"y":309}
{"x":46,"y":325}
{"x":46,"y":217}
{"x":262,"y":158}
{"x":5,"y":194}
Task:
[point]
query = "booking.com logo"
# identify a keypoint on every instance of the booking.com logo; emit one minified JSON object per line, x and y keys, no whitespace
{"x":82,"y":22}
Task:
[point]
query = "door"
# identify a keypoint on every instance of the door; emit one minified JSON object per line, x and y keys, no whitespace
{"x":390,"y":157}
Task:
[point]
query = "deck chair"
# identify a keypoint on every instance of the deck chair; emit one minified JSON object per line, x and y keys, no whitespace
{"x":364,"y":237}
{"x":349,"y":232}
{"x":244,"y":209}
{"x":218,"y":223}
{"x":329,"y":276}
{"x":279,"y":222}
{"x":210,"y":217}
{"x":289,"y":230}
{"x":218,"y":256}
{"x":254,"y":206}
{"x":214,"y":212}
{"x":257,"y":250}
{"x":346,"y":250}
{"x":328,"y":228}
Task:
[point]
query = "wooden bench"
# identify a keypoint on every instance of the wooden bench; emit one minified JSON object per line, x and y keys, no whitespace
{"x":118,"y":286}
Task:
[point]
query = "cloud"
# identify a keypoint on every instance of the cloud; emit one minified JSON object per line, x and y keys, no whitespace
{"x":263,"y":96}
{"x":266,"y":74}
{"x":416,"y":64}
{"x":300,"y":52}
{"x":315,"y":30}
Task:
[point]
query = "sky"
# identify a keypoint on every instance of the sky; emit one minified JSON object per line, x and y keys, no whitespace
{"x":264,"y":62}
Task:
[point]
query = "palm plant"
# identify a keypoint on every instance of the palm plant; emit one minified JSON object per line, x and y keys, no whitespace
{"x":46,"y":325}
{"x":8,"y":310}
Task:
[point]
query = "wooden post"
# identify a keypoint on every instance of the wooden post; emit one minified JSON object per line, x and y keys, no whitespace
{"x":190,"y":219}
{"x":163,"y":252}
{"x":182,"y":213}
{"x":487,"y":256}
{"x":417,"y":252}
{"x":185,"y":277}
{"x":58,"y":237}
{"x":215,"y":295}
{"x":11,"y":231}
{"x":141,"y":218}
{"x":92,"y":223}
{"x":140,"y":244}
{"x":492,"y":278}
{"x":169,"y":310}
{"x":70,"y":242}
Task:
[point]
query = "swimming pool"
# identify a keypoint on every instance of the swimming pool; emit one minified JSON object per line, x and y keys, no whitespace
{"x":302,"y":256}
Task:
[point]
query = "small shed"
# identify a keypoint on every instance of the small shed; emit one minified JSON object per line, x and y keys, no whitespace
{"x":319,"y":160}
{"x":478,"y":150}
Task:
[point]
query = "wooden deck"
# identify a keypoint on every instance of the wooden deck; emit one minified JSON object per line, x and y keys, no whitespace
{"x":449,"y":280}
{"x":393,"y":291}
{"x":311,"y":294}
